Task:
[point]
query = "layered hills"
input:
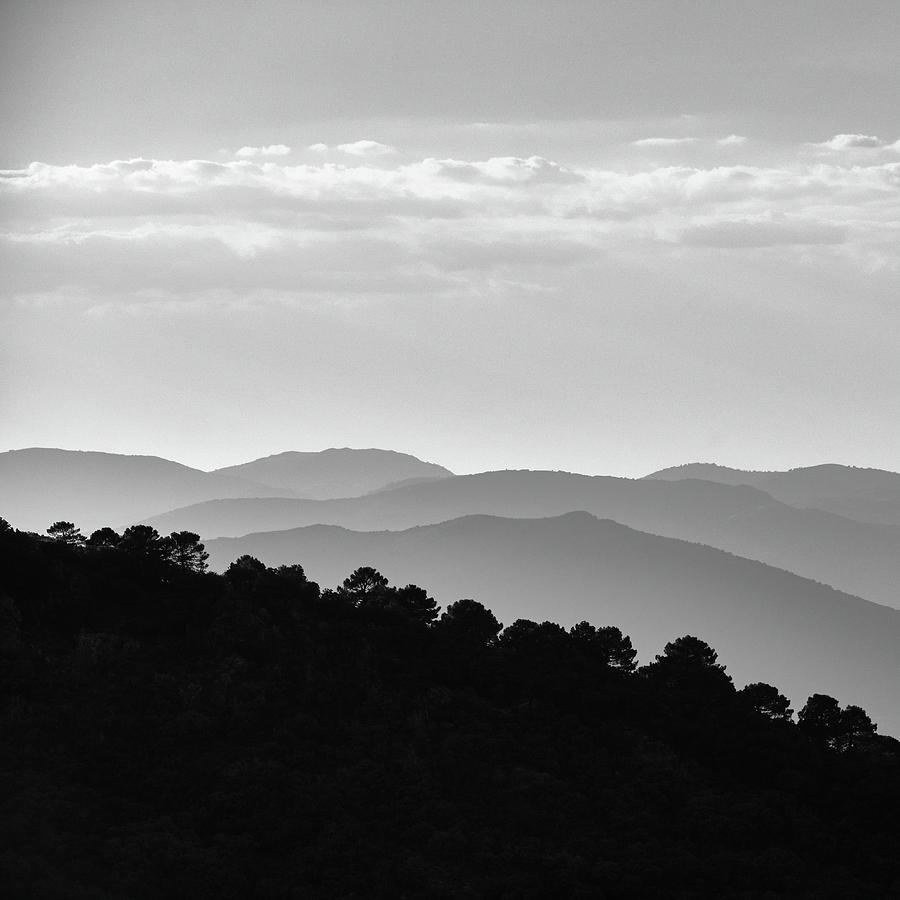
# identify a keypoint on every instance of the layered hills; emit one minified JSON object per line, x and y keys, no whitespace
{"x":642,"y":553}
{"x":857,"y":557}
{"x":41,"y":485}
{"x":805,"y":636}
{"x":867,"y":495}
{"x":172,"y":733}
{"x":337,"y":472}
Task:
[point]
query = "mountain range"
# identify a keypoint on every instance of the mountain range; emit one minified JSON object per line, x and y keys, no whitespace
{"x":857,"y":557}
{"x":769,"y":567}
{"x":767,"y":624}
{"x":338,"y":472}
{"x":867,"y":495}
{"x":41,"y":485}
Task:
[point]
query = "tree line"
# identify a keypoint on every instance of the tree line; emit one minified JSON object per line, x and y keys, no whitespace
{"x":169,"y":731}
{"x":180,"y":548}
{"x":821,"y":718}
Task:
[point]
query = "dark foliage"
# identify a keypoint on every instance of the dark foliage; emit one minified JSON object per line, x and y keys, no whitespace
{"x":767,"y":700}
{"x":170,"y":733}
{"x":65,"y":533}
{"x":104,"y":537}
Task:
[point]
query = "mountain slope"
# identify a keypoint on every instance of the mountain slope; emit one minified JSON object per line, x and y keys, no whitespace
{"x":41,"y":485}
{"x":867,"y":495}
{"x":767,"y":624}
{"x":336,"y":472}
{"x":860,"y":558}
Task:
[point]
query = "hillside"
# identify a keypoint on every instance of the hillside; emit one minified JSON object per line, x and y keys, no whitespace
{"x":867,"y":495}
{"x":711,"y":472}
{"x":805,"y":635}
{"x":859,"y":558}
{"x":40,"y":485}
{"x":175,"y":734}
{"x":327,"y":474}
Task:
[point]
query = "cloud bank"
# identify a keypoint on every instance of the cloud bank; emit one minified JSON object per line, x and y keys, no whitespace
{"x":436,"y":225}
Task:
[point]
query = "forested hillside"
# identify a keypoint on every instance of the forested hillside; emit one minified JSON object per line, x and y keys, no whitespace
{"x":173,"y":732}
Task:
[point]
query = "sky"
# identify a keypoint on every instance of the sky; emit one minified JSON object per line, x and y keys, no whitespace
{"x":606,"y":237}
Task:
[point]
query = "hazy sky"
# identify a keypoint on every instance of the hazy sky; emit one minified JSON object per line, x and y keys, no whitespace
{"x":605,"y":237}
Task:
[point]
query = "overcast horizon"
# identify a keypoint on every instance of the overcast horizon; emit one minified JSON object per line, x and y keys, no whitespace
{"x":606,"y":238}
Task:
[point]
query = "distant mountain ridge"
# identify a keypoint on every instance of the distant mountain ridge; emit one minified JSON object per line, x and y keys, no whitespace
{"x":867,"y":495}
{"x":856,"y":557}
{"x":711,"y":472}
{"x":40,"y":485}
{"x":336,"y":472}
{"x":801,"y":635}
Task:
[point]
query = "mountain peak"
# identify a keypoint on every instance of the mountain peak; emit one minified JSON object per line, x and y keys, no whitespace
{"x":335,"y":472}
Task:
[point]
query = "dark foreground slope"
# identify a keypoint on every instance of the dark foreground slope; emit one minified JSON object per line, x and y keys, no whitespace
{"x":803,"y":634}
{"x":168,"y":734}
{"x":859,"y":558}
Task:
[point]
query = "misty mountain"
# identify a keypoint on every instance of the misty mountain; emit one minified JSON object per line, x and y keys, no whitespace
{"x":40,"y":485}
{"x":767,"y":624}
{"x":328,"y":474}
{"x":867,"y":495}
{"x":856,"y":557}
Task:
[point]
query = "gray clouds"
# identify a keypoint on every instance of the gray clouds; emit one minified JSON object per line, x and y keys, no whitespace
{"x":194,"y":224}
{"x":604,"y":236}
{"x":856,"y":142}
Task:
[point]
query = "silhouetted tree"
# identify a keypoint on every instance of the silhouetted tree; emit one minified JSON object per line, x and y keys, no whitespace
{"x":533,"y":638}
{"x":820,"y":718}
{"x":244,"y":570}
{"x":470,"y":623}
{"x":415,"y":603}
{"x":690,"y":663}
{"x":104,"y":537}
{"x":183,"y":549}
{"x":854,"y":723}
{"x":287,"y":585}
{"x":766,"y":700}
{"x":5,"y":526}
{"x":295,"y":571}
{"x":364,"y":582}
{"x":66,"y":533}
{"x":606,"y":643}
{"x":142,"y":541}
{"x":690,"y":652}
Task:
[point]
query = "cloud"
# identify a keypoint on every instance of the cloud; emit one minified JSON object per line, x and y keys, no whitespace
{"x":366,"y":149}
{"x":271,"y":150}
{"x":663,"y":141}
{"x":318,"y":148}
{"x":732,"y":140}
{"x":435,"y":225}
{"x":853,"y":142}
{"x":504,"y":169}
